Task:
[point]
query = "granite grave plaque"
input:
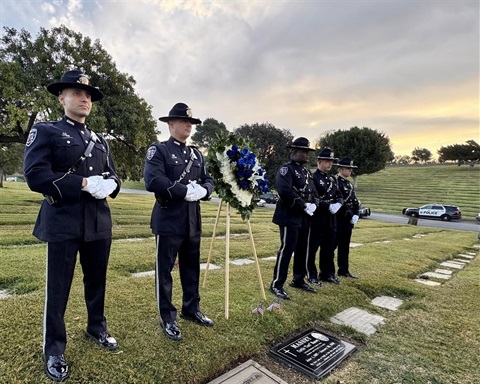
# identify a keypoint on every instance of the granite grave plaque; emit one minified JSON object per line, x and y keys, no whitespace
{"x":313,"y":353}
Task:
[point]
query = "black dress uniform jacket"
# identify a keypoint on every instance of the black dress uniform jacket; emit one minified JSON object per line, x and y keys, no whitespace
{"x":351,"y":205}
{"x":51,"y":149}
{"x":323,"y":227}
{"x":295,"y":187}
{"x":165,"y":163}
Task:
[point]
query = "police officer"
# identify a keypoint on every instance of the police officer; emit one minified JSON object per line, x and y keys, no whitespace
{"x":73,"y":168}
{"x":177,"y":174}
{"x":347,"y":215}
{"x":323,"y":224}
{"x":292,"y":214}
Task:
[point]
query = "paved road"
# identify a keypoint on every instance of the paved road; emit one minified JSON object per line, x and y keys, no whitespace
{"x":390,"y":218}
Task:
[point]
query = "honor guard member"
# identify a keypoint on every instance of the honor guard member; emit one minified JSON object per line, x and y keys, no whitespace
{"x":292,"y":214}
{"x":323,"y":224}
{"x":177,"y":174}
{"x":347,"y":215}
{"x":73,"y":168}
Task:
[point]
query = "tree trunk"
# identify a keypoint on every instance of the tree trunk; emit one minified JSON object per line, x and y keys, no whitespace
{"x":1,"y":177}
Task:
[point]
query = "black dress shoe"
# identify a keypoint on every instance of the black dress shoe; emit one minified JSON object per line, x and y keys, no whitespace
{"x":199,"y":318}
{"x":332,"y":279}
{"x":172,"y":331}
{"x":56,"y":367}
{"x":315,"y":281}
{"x":348,"y":274}
{"x":279,"y":292}
{"x":302,"y":285}
{"x":103,"y":339}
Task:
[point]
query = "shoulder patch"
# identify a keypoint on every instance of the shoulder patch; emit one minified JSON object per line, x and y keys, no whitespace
{"x":151,"y":152}
{"x":283,"y":171}
{"x":31,"y":137}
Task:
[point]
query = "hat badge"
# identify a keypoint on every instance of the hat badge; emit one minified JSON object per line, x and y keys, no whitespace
{"x":189,"y":112}
{"x":83,"y":79}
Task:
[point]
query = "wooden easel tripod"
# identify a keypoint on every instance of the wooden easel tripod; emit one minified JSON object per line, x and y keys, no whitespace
{"x":227,"y":256}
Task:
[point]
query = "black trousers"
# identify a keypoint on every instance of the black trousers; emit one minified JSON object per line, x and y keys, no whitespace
{"x":323,"y":237}
{"x":342,"y":243}
{"x":188,"y":251}
{"x":61,"y":260}
{"x":292,"y":240}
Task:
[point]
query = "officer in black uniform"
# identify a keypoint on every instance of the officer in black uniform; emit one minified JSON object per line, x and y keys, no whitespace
{"x":177,"y":174}
{"x":323,"y":225}
{"x":292,"y":214}
{"x":73,"y":168}
{"x":347,"y":215}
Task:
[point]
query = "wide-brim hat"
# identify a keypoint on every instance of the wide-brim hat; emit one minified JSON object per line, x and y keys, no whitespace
{"x":326,"y":154}
{"x":346,"y":162}
{"x":180,"y":111}
{"x":300,"y":143}
{"x":75,"y":79}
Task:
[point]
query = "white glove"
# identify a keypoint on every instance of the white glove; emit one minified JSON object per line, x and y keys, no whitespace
{"x":92,"y":184}
{"x":106,"y":187}
{"x":195,"y":192}
{"x":354,"y":219}
{"x":309,"y":208}
{"x":333,"y":208}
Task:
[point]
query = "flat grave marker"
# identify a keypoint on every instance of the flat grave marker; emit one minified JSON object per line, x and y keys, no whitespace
{"x":313,"y":353}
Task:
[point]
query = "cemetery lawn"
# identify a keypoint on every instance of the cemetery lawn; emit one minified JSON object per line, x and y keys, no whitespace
{"x":432,"y":338}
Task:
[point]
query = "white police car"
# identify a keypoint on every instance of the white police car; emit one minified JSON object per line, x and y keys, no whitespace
{"x":435,"y":211}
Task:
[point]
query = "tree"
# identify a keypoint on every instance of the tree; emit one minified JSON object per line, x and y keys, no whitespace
{"x":369,"y":149}
{"x":421,"y":154}
{"x":270,"y":143}
{"x":11,"y":159}
{"x":28,"y":65}
{"x":206,"y":132}
{"x":460,"y":152}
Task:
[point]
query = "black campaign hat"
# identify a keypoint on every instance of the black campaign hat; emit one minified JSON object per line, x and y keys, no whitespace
{"x":180,"y":111}
{"x":326,"y":154}
{"x":300,"y":143}
{"x":75,"y":79}
{"x":346,"y":162}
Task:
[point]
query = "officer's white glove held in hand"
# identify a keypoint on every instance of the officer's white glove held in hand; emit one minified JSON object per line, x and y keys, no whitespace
{"x":354,"y":219}
{"x":311,"y":208}
{"x":190,"y":196}
{"x":308,"y":210}
{"x":92,"y":184}
{"x":200,"y":192}
{"x":106,"y":187}
{"x":333,"y":208}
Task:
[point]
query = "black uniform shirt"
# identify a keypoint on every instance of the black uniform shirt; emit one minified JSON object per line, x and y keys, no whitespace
{"x":326,"y":187}
{"x":51,"y":149}
{"x":164,"y":165}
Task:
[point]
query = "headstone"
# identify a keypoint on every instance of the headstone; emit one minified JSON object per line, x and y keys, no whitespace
{"x":387,"y":302}
{"x":143,"y":274}
{"x":462,"y":260}
{"x":269,"y":258}
{"x":450,"y":264}
{"x":428,"y":275}
{"x":467,"y":255}
{"x":358,"y":319}
{"x":444,"y":271}
{"x":241,"y":262}
{"x":313,"y":353}
{"x":4,"y":294}
{"x":354,"y":245}
{"x":210,"y":267}
{"x":427,"y":282}
{"x":249,"y":372}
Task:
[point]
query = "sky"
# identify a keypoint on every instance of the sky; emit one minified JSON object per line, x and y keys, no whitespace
{"x":406,"y":68}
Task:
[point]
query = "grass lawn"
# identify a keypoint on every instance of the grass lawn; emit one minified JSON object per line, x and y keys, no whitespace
{"x":432,"y":338}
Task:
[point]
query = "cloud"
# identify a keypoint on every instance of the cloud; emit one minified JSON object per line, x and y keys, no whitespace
{"x":401,"y":67}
